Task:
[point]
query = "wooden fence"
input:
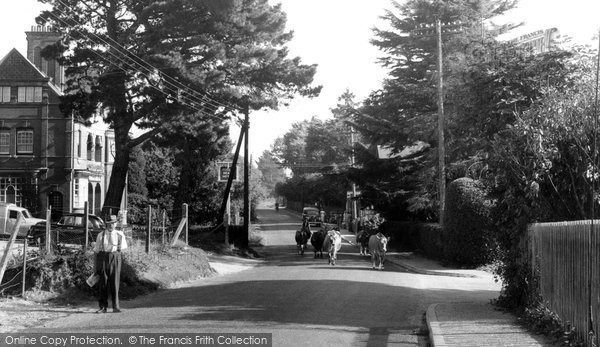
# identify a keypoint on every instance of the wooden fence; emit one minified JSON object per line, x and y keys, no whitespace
{"x":560,"y":253}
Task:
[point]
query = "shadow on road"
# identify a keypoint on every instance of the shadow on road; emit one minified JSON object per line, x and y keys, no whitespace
{"x":373,"y":308}
{"x":348,"y":259}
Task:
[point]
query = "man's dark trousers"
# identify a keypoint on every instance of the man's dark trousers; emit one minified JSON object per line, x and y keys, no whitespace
{"x":109,"y":269}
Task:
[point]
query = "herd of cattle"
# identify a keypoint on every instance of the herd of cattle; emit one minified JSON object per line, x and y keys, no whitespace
{"x":330,"y":241}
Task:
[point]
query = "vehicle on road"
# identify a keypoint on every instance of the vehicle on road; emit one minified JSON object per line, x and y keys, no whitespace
{"x":312,"y":215}
{"x":69,"y":229}
{"x":9,"y":213}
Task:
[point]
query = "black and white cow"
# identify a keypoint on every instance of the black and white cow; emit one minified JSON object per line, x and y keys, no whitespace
{"x":302,"y":237}
{"x":378,"y":248}
{"x":316,"y":240}
{"x":332,"y":244}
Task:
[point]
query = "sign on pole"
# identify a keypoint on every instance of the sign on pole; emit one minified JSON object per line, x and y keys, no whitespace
{"x":349,"y":194}
{"x":224,"y":170}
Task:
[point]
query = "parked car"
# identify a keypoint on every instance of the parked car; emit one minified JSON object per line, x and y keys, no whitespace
{"x":312,"y":213}
{"x":69,"y":229}
{"x":9,"y":213}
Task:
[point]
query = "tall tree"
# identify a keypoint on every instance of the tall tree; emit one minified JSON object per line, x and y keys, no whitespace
{"x":404,"y":110}
{"x":271,"y":172}
{"x":232,"y":50}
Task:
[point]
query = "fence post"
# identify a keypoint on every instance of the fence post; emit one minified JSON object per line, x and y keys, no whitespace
{"x":149,"y":229}
{"x":24,"y":266}
{"x":164,"y":218}
{"x":9,"y":244}
{"x":227,"y":220}
{"x":48,"y":240}
{"x":85,"y":224}
{"x":187,"y":222}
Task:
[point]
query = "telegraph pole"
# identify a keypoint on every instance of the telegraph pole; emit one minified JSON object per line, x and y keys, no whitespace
{"x":354,"y":207}
{"x":452,"y":27}
{"x":246,"y":179}
{"x":441,"y":143}
{"x":590,"y":247}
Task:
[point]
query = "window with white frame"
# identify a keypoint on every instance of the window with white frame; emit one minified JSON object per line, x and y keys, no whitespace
{"x":4,"y":94}
{"x":4,"y":141}
{"x":25,"y":141}
{"x":29,"y":94}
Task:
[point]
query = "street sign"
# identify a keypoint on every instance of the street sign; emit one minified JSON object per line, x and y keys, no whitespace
{"x":224,"y":170}
{"x":349,"y":194}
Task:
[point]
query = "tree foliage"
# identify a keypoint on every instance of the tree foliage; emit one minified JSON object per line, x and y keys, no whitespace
{"x":271,"y":171}
{"x":232,"y":50}
{"x":543,"y":168}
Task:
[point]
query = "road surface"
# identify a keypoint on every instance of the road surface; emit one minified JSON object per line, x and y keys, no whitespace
{"x":300,"y":300}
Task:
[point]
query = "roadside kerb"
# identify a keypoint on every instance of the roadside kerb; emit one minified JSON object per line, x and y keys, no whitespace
{"x":396,"y":261}
{"x":436,"y":338}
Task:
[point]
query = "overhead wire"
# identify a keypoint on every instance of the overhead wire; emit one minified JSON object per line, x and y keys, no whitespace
{"x":167,"y":79}
{"x":182,"y":99}
{"x":187,"y":103}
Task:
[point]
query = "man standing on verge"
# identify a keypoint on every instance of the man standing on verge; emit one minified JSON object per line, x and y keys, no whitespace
{"x":109,"y":245}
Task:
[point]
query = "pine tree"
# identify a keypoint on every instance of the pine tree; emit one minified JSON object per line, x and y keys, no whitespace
{"x":228,"y":52}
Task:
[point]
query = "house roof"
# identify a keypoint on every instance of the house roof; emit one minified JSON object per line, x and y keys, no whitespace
{"x":15,"y":67}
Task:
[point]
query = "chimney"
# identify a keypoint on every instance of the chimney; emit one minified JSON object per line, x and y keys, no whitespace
{"x":37,"y":39}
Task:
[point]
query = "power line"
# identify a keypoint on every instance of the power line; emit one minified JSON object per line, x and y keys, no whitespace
{"x":175,"y":91}
{"x":190,"y":105}
{"x":181,"y":98}
{"x":127,"y":54}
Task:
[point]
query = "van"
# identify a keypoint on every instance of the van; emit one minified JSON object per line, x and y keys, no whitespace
{"x":9,"y":213}
{"x":312,"y":215}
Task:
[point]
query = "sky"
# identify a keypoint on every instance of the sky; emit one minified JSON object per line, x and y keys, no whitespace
{"x":335,"y":35}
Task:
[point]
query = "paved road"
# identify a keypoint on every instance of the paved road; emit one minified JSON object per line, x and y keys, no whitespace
{"x":300,"y":300}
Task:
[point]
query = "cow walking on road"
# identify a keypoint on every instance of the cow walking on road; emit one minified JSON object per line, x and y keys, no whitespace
{"x":316,"y":240}
{"x":362,"y":239}
{"x":332,"y":244}
{"x":302,"y":237}
{"x":378,"y":248}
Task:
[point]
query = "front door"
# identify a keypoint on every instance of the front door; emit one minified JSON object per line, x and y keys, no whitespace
{"x":55,"y":201}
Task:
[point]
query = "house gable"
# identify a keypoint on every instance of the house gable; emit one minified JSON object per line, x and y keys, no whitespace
{"x":15,"y":67}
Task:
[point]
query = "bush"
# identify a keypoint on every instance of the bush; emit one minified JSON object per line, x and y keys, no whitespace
{"x":414,"y":236}
{"x":404,"y":235}
{"x":430,"y":240}
{"x":136,"y":210}
{"x":467,"y":235}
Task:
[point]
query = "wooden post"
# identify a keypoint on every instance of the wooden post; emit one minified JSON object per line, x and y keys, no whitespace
{"x":85,"y":224}
{"x":187,"y":223}
{"x":9,"y":244}
{"x":227,"y":220}
{"x":48,"y":240}
{"x":24,"y":266}
{"x":441,"y":144}
{"x":149,"y":229}
{"x":245,"y":233}
{"x":164,"y":218}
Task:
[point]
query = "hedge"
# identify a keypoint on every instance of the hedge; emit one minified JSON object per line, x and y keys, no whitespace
{"x":425,"y":238}
{"x":467,"y":234}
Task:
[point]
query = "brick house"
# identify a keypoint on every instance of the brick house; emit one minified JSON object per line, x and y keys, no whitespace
{"x":48,"y":158}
